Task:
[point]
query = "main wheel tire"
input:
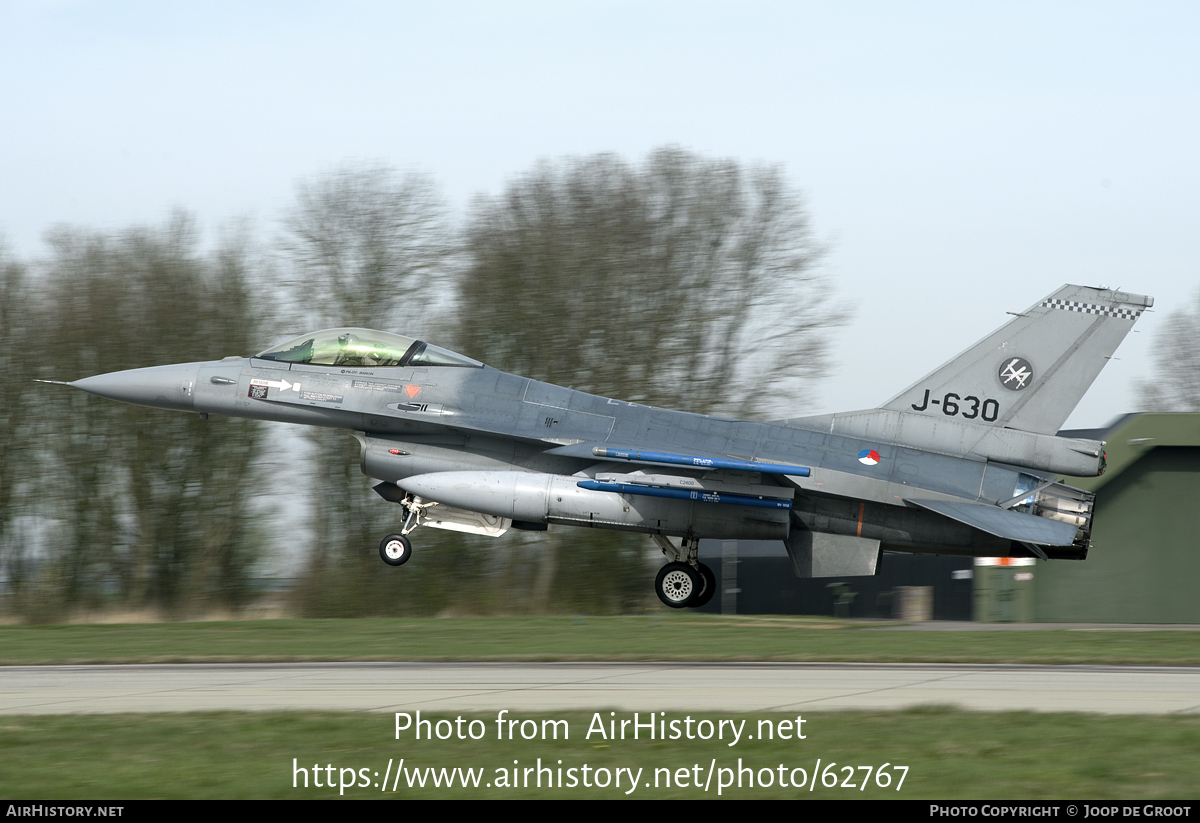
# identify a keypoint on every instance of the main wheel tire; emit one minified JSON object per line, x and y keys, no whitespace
{"x":395,"y":549}
{"x":677,"y":584}
{"x":708,"y":587}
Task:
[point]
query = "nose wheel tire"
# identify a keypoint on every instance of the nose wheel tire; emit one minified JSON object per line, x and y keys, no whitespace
{"x":676,"y":584}
{"x":708,"y":587}
{"x":395,"y":549}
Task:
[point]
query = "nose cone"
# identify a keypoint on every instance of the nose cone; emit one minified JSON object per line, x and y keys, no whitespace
{"x":163,"y":387}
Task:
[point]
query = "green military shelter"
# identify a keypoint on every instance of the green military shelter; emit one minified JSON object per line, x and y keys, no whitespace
{"x":1144,"y":561}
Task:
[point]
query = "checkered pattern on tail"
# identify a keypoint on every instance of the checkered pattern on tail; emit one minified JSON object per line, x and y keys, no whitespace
{"x":1093,"y":308}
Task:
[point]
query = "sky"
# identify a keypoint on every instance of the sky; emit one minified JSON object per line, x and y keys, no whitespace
{"x":958,"y":160}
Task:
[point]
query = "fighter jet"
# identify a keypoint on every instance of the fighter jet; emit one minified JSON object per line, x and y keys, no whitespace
{"x":964,"y":461}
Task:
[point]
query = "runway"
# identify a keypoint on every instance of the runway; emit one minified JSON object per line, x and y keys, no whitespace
{"x":530,"y":687}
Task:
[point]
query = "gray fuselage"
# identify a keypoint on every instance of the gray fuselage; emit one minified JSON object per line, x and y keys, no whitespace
{"x":452,"y":418}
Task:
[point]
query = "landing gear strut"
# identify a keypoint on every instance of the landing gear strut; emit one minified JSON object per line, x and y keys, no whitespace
{"x":685,"y":581}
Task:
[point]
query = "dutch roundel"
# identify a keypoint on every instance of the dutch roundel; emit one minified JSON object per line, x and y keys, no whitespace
{"x":868,"y":457}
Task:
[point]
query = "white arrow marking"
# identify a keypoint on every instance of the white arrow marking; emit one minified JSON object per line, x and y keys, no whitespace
{"x":282,"y":385}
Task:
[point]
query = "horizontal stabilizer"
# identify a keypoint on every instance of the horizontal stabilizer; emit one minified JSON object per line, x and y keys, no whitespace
{"x":1009,"y":525}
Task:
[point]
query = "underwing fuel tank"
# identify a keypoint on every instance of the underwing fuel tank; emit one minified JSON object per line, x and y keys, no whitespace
{"x":539,"y":497}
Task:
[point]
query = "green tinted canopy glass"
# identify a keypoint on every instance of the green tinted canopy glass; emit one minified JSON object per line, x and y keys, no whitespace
{"x":364,"y":348}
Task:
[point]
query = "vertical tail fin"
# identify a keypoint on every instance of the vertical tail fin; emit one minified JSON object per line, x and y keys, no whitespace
{"x":1032,"y":372}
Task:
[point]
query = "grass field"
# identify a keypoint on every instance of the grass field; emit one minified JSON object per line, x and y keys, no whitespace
{"x":949,"y":754}
{"x":658,"y":636}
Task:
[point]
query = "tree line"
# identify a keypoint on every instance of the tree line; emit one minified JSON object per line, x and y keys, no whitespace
{"x":678,"y":281}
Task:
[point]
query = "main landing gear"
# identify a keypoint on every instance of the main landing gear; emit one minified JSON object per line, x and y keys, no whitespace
{"x":685,"y":582}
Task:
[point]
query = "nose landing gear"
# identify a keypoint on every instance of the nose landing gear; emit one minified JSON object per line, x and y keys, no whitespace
{"x":396,"y":549}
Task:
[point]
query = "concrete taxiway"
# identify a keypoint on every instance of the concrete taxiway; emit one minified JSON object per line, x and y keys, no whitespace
{"x":530,"y":687}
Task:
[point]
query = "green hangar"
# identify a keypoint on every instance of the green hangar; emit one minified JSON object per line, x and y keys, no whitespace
{"x":1144,"y":561}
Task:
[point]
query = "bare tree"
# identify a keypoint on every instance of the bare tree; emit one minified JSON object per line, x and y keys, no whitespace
{"x":366,"y":246}
{"x":363,"y":246}
{"x":18,"y":326}
{"x":152,"y":507}
{"x":1176,"y":385}
{"x":685,"y":282}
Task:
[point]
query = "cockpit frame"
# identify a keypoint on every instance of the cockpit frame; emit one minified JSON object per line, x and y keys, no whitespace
{"x":363,"y":348}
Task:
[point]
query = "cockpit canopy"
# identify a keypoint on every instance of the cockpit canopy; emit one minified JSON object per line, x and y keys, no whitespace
{"x":363,"y":348}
